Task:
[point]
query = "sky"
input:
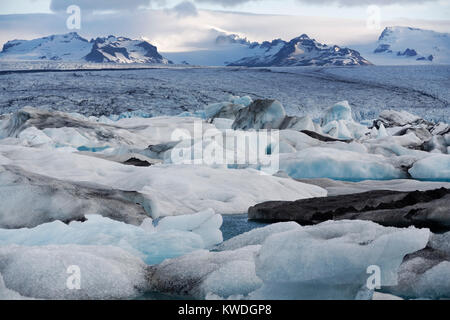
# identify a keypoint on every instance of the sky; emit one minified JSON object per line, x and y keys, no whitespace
{"x":179,"y":25}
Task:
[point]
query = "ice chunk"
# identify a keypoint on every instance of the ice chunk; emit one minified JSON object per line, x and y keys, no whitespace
{"x":206,"y":224}
{"x":170,"y":189}
{"x":203,"y":273}
{"x":28,"y":200}
{"x":393,"y":118}
{"x":43,"y":272}
{"x":261,"y":114}
{"x":7,"y":294}
{"x":298,"y":123}
{"x":319,"y":162}
{"x":337,"y":129}
{"x":340,"y":111}
{"x":286,"y":260}
{"x":330,"y":260}
{"x":33,"y":137}
{"x":171,"y":240}
{"x":382,"y":133}
{"x":245,"y":100}
{"x":257,"y":236}
{"x":222,"y":123}
{"x":432,"y":168}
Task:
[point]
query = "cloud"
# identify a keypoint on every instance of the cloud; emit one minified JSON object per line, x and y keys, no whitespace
{"x":342,"y":3}
{"x":101,"y":5}
{"x":185,"y":9}
{"x":226,"y":3}
{"x":356,"y":3}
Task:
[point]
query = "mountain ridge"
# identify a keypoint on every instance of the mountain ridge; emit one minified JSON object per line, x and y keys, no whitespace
{"x":72,"y":47}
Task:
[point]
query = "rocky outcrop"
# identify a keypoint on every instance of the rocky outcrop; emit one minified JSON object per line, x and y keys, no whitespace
{"x":430,"y":209}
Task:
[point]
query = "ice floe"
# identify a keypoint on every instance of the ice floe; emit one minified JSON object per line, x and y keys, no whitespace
{"x":169,"y":239}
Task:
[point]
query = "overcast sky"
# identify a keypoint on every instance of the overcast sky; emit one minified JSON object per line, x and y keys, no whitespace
{"x":177,"y":25}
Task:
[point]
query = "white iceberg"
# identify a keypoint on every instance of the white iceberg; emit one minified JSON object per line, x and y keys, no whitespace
{"x":44,"y":272}
{"x":170,"y":189}
{"x":170,"y":239}
{"x":433,"y":168}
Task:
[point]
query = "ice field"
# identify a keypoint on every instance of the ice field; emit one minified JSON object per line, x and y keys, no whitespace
{"x":422,"y":90}
{"x":137,"y":178}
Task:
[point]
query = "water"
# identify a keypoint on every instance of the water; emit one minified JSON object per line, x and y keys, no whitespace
{"x":236,"y":224}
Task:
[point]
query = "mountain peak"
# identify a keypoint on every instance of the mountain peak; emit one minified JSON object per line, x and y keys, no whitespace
{"x":72,"y":47}
{"x":414,"y":45}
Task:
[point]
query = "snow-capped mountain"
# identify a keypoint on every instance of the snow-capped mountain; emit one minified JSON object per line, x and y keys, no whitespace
{"x":123,"y":50}
{"x":235,"y":50}
{"x":300,"y":51}
{"x":413,"y":45}
{"x":72,"y":47}
{"x":69,"y":47}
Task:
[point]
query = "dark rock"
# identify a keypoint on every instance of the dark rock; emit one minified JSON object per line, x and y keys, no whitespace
{"x":430,"y":209}
{"x":137,"y":162}
{"x":323,"y":137}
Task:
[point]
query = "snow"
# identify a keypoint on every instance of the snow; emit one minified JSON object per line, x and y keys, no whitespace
{"x":70,"y":46}
{"x":435,"y":168}
{"x":423,"y":42}
{"x":41,"y":272}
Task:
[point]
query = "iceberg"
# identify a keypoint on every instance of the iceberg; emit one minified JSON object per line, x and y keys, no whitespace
{"x":432,"y":168}
{"x":43,"y":272}
{"x":340,"y":111}
{"x":170,"y":239}
{"x":169,"y":189}
{"x":321,"y":162}
{"x":330,"y":260}
{"x":261,"y":114}
{"x":288,"y":261}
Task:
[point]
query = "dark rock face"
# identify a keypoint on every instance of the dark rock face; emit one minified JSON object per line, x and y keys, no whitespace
{"x":430,"y":209}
